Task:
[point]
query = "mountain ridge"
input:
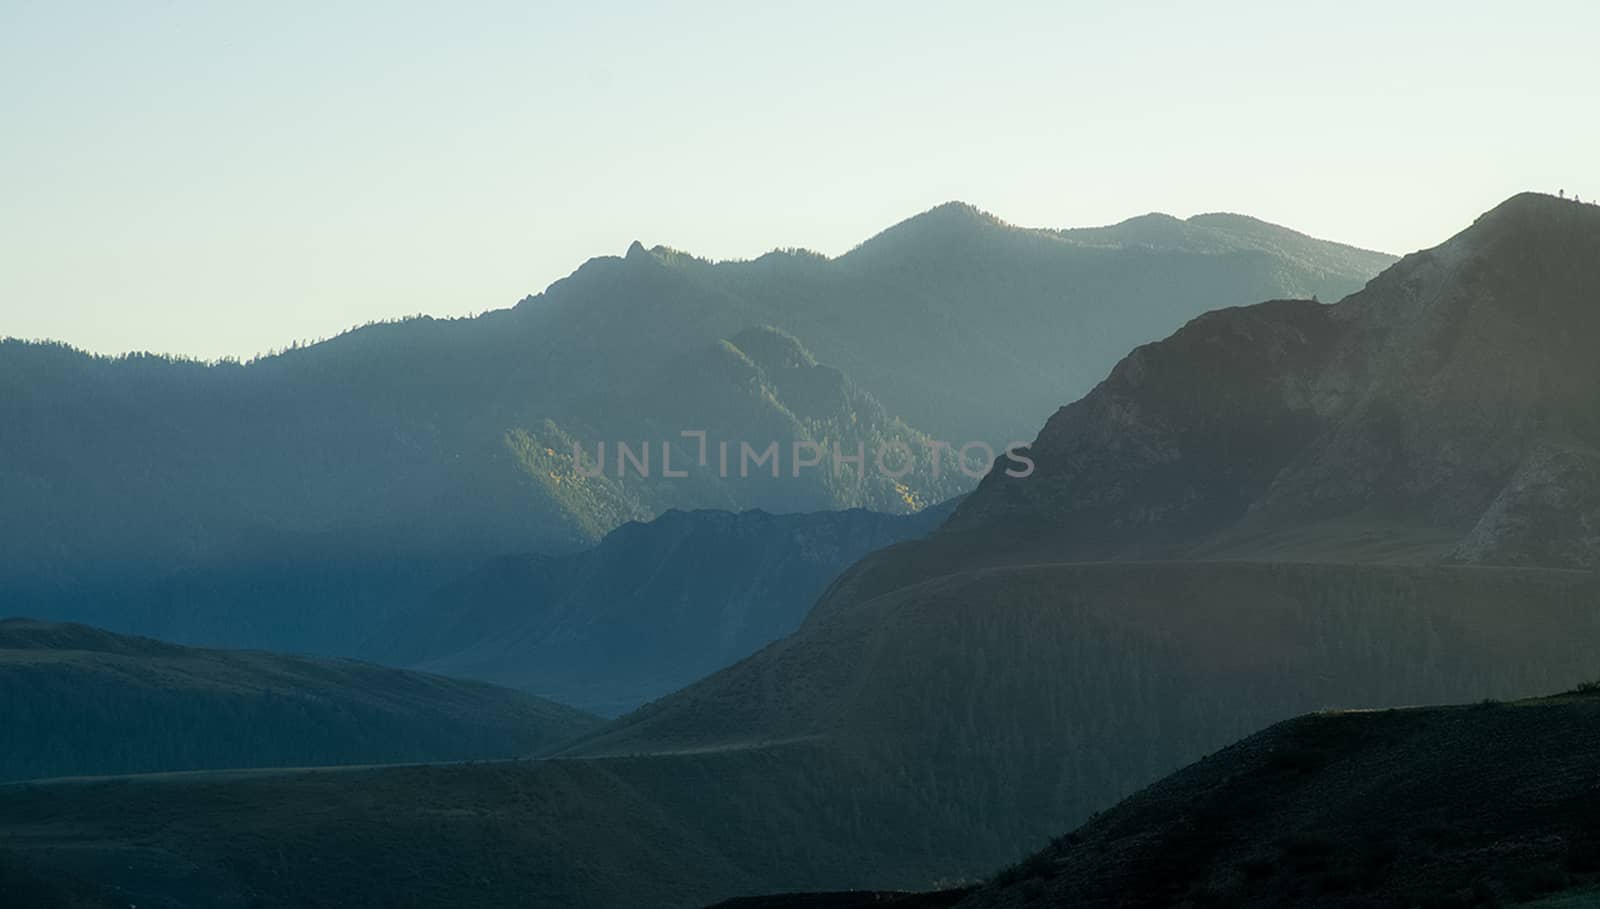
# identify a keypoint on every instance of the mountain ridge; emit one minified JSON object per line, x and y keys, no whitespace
{"x":83,"y":701}
{"x":445,"y":443}
{"x":648,"y":610}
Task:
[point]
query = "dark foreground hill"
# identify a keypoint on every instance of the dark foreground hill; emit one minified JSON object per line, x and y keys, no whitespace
{"x":80,"y":701}
{"x":677,"y":830}
{"x":1484,"y":805}
{"x":1493,"y":804}
{"x":655,"y":606}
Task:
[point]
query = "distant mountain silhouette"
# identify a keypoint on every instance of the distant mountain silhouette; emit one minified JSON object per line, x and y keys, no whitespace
{"x":412,"y":436}
{"x":654,"y":607}
{"x":82,"y":701}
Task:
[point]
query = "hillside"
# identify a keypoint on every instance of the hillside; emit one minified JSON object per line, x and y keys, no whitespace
{"x":1374,"y":805}
{"x":758,"y":388}
{"x":1210,"y":451}
{"x":1035,"y":695}
{"x":1492,"y":804}
{"x":1373,"y":808}
{"x":81,"y":701}
{"x":140,"y":485}
{"x":579,"y":834}
{"x":655,"y":606}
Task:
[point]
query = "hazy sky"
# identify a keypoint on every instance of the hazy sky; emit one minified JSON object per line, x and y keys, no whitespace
{"x":222,"y":178}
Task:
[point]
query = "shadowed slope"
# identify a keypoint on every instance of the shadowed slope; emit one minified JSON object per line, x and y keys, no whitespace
{"x":1493,"y":804}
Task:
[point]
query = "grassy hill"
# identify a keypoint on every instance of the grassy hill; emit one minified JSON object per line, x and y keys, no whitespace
{"x":81,"y":701}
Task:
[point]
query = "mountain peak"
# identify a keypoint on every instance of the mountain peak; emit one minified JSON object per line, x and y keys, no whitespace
{"x":1533,"y":212}
{"x":1454,"y":395}
{"x":956,"y":208}
{"x":952,"y":215}
{"x":636,"y":251}
{"x":949,"y":222}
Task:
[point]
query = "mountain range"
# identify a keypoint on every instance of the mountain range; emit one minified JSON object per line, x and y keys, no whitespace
{"x":398,"y":457}
{"x":1280,"y":508}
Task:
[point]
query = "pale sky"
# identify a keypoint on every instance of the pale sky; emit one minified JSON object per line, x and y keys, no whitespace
{"x":223,"y":178}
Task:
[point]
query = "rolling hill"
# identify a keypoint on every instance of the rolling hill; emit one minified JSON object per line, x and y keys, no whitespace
{"x":79,"y":701}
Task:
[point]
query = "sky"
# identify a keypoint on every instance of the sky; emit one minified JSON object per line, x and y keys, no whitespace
{"x":221,"y":179}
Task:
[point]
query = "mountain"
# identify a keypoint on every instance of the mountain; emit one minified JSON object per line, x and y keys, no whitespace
{"x":1271,"y":512}
{"x":1369,"y":808}
{"x":81,"y":701}
{"x":954,"y":701}
{"x":771,"y":428}
{"x":972,"y":328}
{"x":655,"y":606}
{"x":1449,"y":408}
{"x":333,"y":593}
{"x":447,"y":442}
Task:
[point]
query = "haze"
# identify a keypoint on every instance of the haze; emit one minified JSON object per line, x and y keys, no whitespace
{"x":212,"y":181}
